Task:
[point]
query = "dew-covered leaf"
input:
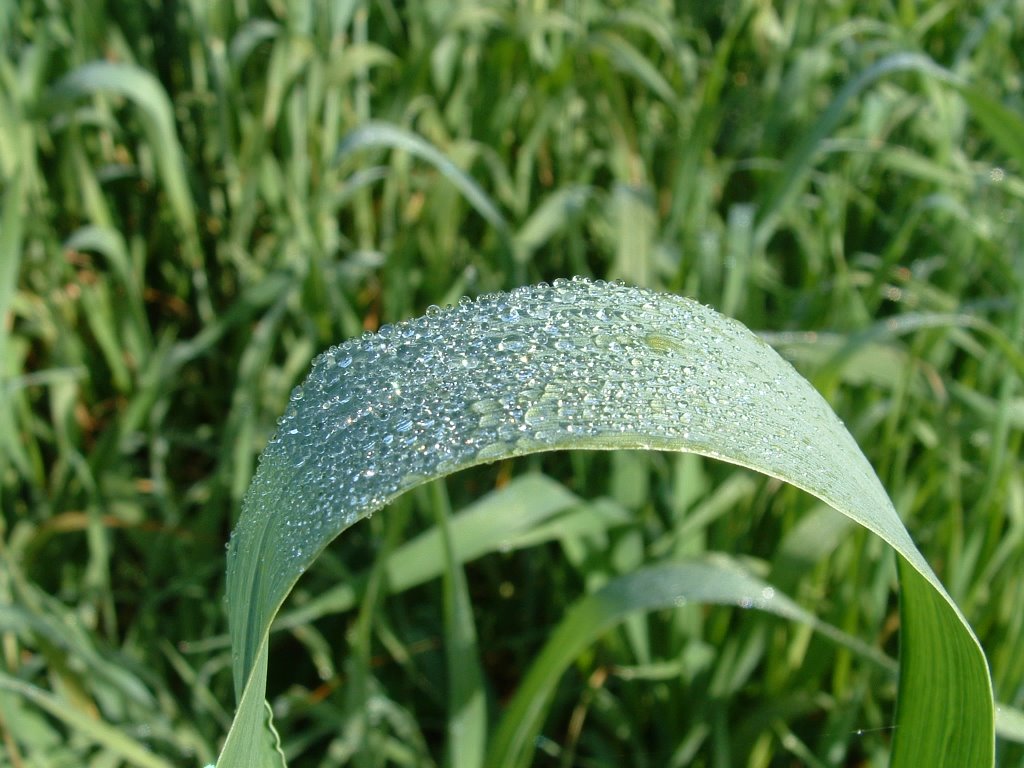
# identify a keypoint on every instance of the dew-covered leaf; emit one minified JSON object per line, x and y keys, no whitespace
{"x":576,"y":364}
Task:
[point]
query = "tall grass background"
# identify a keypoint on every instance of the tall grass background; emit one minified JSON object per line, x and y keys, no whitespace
{"x":198,"y":197}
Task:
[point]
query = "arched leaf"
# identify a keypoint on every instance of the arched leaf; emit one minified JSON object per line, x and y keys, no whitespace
{"x":576,"y":364}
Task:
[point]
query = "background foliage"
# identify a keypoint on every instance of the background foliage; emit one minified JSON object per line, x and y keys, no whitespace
{"x":187,"y":218}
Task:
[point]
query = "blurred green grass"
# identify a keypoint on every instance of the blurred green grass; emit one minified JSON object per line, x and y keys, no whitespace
{"x":184,"y":225}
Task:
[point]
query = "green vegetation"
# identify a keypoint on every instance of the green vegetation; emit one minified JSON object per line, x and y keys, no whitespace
{"x":572,"y":365}
{"x":196,"y":199}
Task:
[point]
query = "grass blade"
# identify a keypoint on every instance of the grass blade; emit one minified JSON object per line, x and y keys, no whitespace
{"x":652,"y":588}
{"x":799,"y":161}
{"x":930,"y":683}
{"x":12,"y":214}
{"x":1005,"y":127}
{"x":157,"y":116}
{"x":93,"y":729}
{"x":569,"y":365}
{"x":379,"y":134}
{"x":467,"y":708}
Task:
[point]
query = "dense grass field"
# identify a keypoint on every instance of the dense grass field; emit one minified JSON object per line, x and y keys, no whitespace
{"x":196,"y":198}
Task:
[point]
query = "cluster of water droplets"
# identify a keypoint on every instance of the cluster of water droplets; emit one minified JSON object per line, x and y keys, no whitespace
{"x":546,"y":366}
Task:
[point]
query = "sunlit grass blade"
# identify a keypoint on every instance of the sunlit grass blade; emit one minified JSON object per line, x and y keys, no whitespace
{"x":551,"y":216}
{"x":91,"y":728}
{"x":652,"y":588}
{"x":157,"y":117}
{"x":569,"y":365}
{"x":378,"y":134}
{"x":12,"y":214}
{"x":1002,"y":124}
{"x":1010,"y":723}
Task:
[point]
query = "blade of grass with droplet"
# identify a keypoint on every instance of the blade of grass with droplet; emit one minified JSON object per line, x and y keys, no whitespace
{"x":571,"y":365}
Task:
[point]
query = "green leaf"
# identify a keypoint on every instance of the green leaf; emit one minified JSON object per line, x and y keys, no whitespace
{"x":85,"y":725}
{"x":157,"y":117}
{"x":12,"y":216}
{"x":379,"y":134}
{"x":932,"y":681}
{"x":467,"y":707}
{"x":668,"y":585}
{"x":1003,"y":125}
{"x":550,"y":217}
{"x":572,"y":365}
{"x":1005,"y":128}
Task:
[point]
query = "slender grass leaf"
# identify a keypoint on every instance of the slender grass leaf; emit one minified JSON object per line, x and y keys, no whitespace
{"x":378,"y":134}
{"x":633,"y":209}
{"x":252,"y":740}
{"x":1012,"y":410}
{"x":111,"y":244}
{"x":11,"y":217}
{"x":91,"y":728}
{"x":467,"y":707}
{"x":843,"y":350}
{"x":1010,"y":723}
{"x":936,"y":656}
{"x":800,"y":160}
{"x":157,"y":117}
{"x":1002,"y":124}
{"x":668,"y":585}
{"x":574,"y":364}
{"x":549,"y":218}
{"x":1005,"y":127}
{"x":628,"y":59}
{"x":250,"y":36}
{"x":12,"y":214}
{"x":71,"y":641}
